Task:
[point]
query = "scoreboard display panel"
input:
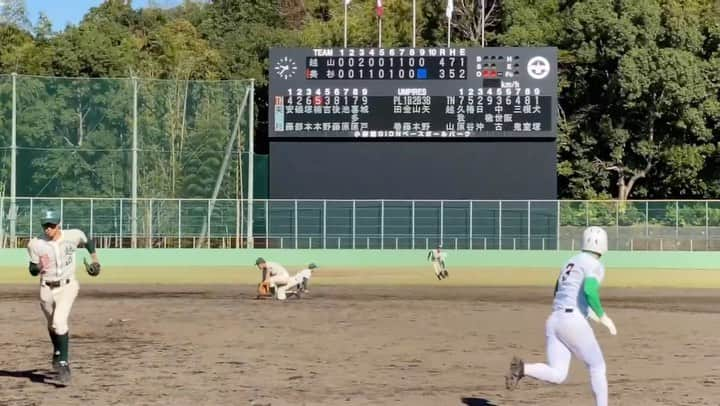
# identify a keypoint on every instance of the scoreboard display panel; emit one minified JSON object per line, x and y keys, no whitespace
{"x":412,"y":123}
{"x":413,"y":93}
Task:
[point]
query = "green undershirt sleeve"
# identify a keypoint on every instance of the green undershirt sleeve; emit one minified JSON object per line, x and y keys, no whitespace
{"x":591,"y":288}
{"x":90,"y":245}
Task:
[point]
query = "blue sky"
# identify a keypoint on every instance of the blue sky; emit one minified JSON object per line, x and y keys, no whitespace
{"x":62,"y":12}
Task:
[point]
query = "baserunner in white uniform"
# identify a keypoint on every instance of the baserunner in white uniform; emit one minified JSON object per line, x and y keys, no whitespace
{"x":301,"y":280}
{"x":567,"y":329}
{"x":52,"y":257}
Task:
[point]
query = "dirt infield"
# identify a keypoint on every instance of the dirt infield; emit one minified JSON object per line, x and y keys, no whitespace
{"x":426,"y":346}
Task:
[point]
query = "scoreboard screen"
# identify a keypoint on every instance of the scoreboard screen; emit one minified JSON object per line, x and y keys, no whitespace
{"x":412,"y":93}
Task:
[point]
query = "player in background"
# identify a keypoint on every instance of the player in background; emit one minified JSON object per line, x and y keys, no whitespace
{"x":52,"y":257}
{"x":276,"y":275}
{"x":567,"y":329}
{"x":437,"y":257}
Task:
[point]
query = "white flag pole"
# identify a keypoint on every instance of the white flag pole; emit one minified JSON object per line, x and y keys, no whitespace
{"x":379,"y":32}
{"x":345,"y":29}
{"x":448,"y":14}
{"x":448,"y":29}
{"x":482,"y":2}
{"x":414,"y":25}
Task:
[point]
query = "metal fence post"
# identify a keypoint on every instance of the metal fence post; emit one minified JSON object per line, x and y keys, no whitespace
{"x":31,"y":216}
{"x":470,"y":225}
{"x":179,"y":223}
{"x":528,"y":225}
{"x":617,"y":224}
{"x":382,"y":224}
{"x":295,"y":216}
{"x":120,"y":242}
{"x":442,"y":220}
{"x":412,"y":230}
{"x":324,"y":244}
{"x":267,"y":223}
{"x":353,"y":224}
{"x":647,"y":219}
{"x":557,"y":235}
{"x":149,"y":221}
{"x":92,"y":223}
{"x":677,"y":220}
{"x":500,"y":224}
{"x":707,"y":225}
{"x":209,"y":208}
{"x":238,"y":223}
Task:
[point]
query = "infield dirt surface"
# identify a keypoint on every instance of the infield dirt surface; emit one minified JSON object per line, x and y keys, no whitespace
{"x":353,"y":345}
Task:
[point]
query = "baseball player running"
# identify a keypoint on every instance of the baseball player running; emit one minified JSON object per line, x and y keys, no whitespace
{"x":567,"y":329}
{"x":52,"y":256}
{"x":437,"y":257}
{"x":276,"y":276}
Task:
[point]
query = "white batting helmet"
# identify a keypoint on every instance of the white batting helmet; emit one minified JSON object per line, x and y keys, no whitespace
{"x":595,"y":240}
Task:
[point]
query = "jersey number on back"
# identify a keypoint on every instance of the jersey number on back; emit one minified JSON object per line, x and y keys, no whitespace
{"x":566,"y":272}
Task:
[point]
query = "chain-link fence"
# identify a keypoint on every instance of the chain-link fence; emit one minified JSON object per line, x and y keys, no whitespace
{"x":376,"y":224}
{"x":126,"y":138}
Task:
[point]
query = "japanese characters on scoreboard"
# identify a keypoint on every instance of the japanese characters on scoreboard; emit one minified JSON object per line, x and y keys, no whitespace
{"x":413,"y":93}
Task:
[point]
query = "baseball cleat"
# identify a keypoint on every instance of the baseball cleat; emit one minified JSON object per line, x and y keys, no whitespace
{"x":517,"y":372}
{"x":64,"y":373}
{"x":445,"y":273}
{"x":438,"y":276}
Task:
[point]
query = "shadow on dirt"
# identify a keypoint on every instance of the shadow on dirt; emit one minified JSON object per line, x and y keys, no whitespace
{"x":476,"y":402}
{"x":33,"y":375}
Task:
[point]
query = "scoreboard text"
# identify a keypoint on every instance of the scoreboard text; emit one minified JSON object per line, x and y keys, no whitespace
{"x":408,"y":93}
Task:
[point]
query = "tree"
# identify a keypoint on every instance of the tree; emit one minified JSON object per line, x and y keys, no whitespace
{"x":14,"y":12}
{"x":642,"y":87}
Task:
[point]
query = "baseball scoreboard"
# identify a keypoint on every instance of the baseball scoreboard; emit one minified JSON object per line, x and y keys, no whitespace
{"x":413,"y":115}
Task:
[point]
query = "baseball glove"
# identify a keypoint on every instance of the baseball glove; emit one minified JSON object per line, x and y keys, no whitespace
{"x":264,"y":289}
{"x":92,"y":269}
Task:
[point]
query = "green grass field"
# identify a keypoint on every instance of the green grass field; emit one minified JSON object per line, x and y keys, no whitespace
{"x":666,"y":278}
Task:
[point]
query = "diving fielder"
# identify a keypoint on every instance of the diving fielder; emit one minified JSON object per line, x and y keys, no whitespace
{"x":52,"y":256}
{"x":437,"y":257}
{"x":567,"y":329}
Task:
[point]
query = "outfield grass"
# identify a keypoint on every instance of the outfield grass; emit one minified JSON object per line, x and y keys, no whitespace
{"x":668,"y":278}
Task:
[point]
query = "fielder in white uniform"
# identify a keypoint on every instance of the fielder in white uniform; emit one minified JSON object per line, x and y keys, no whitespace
{"x":276,"y":275}
{"x":437,"y":256}
{"x":52,"y":257}
{"x":301,"y":280}
{"x":567,"y":329}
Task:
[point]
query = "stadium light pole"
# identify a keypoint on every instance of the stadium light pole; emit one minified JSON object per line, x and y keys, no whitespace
{"x":13,"y":165}
{"x":251,"y":164}
{"x":133,"y":205}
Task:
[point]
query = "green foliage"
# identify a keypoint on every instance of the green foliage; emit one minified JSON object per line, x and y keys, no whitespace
{"x":639,"y":86}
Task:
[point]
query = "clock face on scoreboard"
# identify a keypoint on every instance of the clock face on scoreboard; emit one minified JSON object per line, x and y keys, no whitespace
{"x":413,"y":93}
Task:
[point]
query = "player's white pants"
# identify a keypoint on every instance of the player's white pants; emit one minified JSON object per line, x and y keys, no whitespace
{"x":295,"y":281}
{"x":280,"y":282}
{"x":568,"y":334}
{"x":56,"y":304}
